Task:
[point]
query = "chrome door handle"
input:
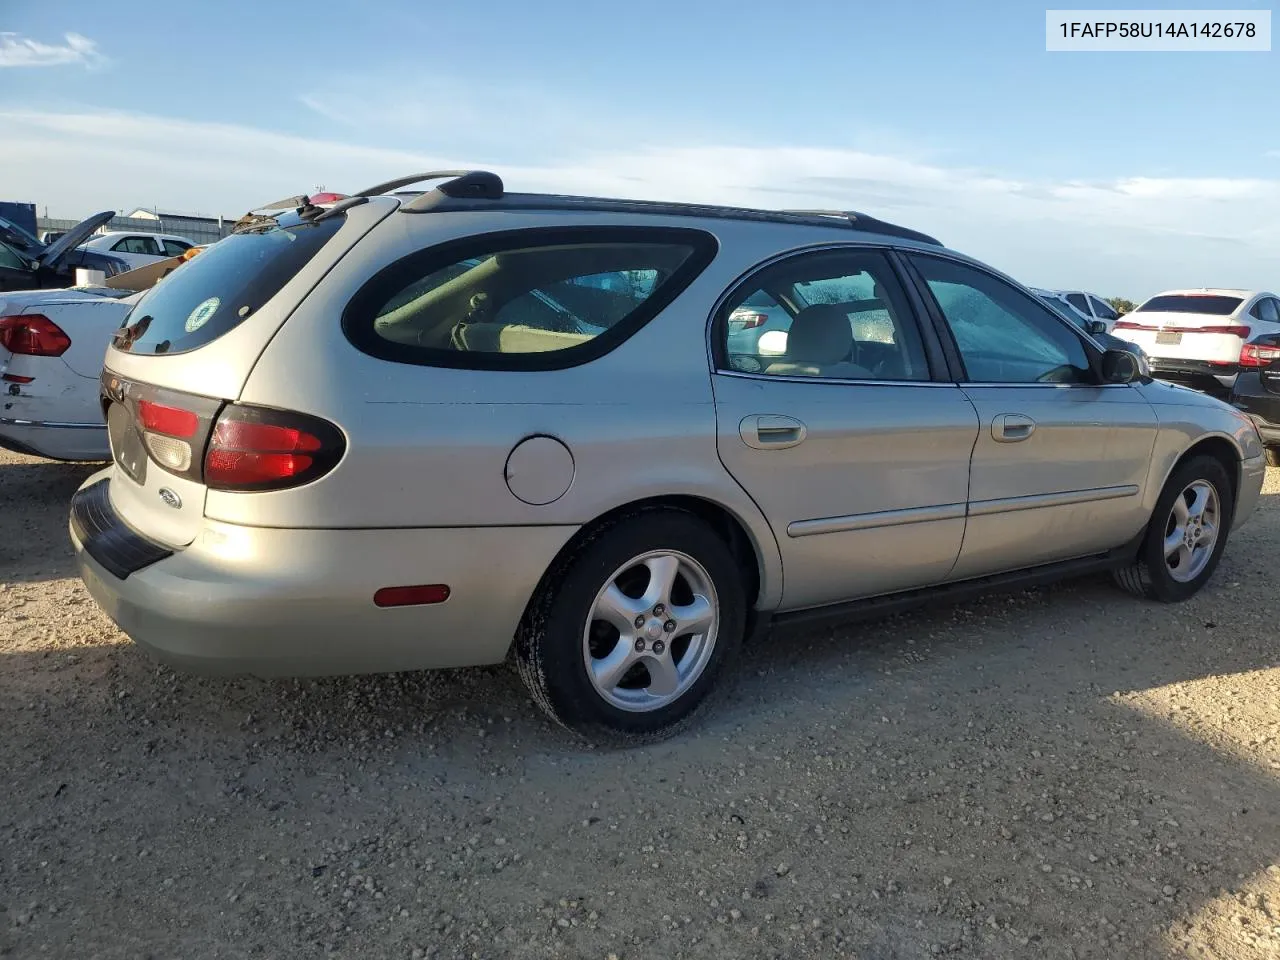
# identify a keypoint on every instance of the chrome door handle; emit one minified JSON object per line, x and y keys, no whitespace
{"x":771,"y":432}
{"x":1012,"y":427}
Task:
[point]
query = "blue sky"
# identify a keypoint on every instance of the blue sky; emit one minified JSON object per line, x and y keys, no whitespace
{"x":1124,"y":173}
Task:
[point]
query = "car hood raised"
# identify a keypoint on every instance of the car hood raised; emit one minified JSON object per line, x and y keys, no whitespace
{"x":50,"y":255}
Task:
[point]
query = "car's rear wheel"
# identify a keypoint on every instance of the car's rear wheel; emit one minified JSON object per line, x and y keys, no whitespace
{"x":629,"y":634}
{"x":1186,"y":535}
{"x":1273,"y":456}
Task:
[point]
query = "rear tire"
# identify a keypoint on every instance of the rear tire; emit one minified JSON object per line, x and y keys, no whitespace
{"x":1273,"y":456}
{"x":603,"y":646}
{"x":1176,"y":559}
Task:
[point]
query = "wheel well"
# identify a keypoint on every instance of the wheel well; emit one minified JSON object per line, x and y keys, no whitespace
{"x":728,"y":527}
{"x":1222,"y":451}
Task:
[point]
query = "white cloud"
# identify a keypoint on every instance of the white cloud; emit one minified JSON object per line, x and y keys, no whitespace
{"x":1128,"y":236}
{"x":20,"y":51}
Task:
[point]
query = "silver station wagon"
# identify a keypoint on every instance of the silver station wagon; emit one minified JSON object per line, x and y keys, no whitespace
{"x":441,"y":427}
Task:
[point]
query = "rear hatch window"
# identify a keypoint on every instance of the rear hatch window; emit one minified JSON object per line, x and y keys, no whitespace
{"x":224,"y":286}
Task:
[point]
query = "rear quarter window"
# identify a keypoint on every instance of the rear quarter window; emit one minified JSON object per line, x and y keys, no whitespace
{"x":525,"y":299}
{"x":209,"y":296}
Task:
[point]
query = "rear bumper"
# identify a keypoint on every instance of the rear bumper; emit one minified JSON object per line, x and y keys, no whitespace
{"x":55,"y":440}
{"x":270,"y":602}
{"x":1215,"y":378}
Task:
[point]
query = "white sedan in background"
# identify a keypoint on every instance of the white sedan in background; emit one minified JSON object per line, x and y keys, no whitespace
{"x":51,"y":347}
{"x":52,"y":343}
{"x":138,"y":249}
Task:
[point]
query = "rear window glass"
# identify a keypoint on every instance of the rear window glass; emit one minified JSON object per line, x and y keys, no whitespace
{"x":526,"y":299}
{"x":222,"y":287}
{"x":1213,"y":304}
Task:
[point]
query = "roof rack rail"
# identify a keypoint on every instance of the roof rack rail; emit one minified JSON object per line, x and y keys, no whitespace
{"x":480,"y":184}
{"x":861,"y":221}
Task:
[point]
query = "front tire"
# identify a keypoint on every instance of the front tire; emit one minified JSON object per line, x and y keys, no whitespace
{"x":629,"y":634}
{"x":1186,"y":535}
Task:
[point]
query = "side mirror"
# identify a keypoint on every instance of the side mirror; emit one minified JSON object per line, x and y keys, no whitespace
{"x":1097,"y":326}
{"x":1120,"y":366}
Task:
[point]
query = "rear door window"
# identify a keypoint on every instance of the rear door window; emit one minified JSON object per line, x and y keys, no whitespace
{"x":524,"y":300}
{"x":229,"y":282}
{"x":174,"y":248}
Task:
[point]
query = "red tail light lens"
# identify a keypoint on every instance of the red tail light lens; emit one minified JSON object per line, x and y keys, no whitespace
{"x":749,"y":320}
{"x":1235,"y":330}
{"x":254,"y":448}
{"x":1257,"y":355}
{"x":1131,"y":325}
{"x":33,"y":335}
{"x":171,"y":421}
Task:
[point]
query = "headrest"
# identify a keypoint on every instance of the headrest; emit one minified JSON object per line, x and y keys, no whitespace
{"x":820,"y":334}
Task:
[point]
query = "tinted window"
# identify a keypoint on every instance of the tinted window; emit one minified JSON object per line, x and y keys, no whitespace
{"x":10,"y":259}
{"x":229,"y":282}
{"x":845,"y":318}
{"x":1209,"y":303}
{"x":175,"y":248}
{"x":524,"y":300}
{"x":19,"y":238}
{"x":1077,"y":300}
{"x":1004,"y":335}
{"x":1103,"y":310}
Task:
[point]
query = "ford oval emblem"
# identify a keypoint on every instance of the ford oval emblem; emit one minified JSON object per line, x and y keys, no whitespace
{"x":170,"y":498}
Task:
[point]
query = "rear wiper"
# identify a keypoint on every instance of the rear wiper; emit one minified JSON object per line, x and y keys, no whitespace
{"x":259,"y":219}
{"x":251,"y":222}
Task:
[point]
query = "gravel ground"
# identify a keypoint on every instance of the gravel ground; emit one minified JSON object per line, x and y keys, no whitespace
{"x":1059,"y":773}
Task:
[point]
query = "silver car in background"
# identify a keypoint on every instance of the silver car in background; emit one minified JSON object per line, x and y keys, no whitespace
{"x":432,"y":429}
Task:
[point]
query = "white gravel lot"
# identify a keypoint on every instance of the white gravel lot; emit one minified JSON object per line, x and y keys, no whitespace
{"x":1060,"y":773}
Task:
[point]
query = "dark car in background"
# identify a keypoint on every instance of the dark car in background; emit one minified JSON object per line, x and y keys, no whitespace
{"x":28,"y":264}
{"x":1095,"y":328}
{"x":1256,"y":391}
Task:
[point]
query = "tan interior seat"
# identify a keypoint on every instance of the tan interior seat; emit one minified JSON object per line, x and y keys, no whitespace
{"x":819,"y":344}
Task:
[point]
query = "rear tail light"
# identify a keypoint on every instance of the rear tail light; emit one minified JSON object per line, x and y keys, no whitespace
{"x":749,"y":320}
{"x":1257,"y":355}
{"x":254,"y":448}
{"x":1132,"y":325}
{"x":33,"y":335}
{"x":1234,"y":330}
{"x":167,"y":431}
{"x":163,"y":418}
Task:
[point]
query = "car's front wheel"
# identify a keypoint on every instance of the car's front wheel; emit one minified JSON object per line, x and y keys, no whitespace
{"x":629,"y":634}
{"x":1186,"y":535}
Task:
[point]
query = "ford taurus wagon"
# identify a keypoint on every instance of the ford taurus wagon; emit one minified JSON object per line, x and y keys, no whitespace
{"x":438,"y":428}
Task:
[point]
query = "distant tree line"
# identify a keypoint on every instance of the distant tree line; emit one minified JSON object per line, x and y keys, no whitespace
{"x":1121,"y":305}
